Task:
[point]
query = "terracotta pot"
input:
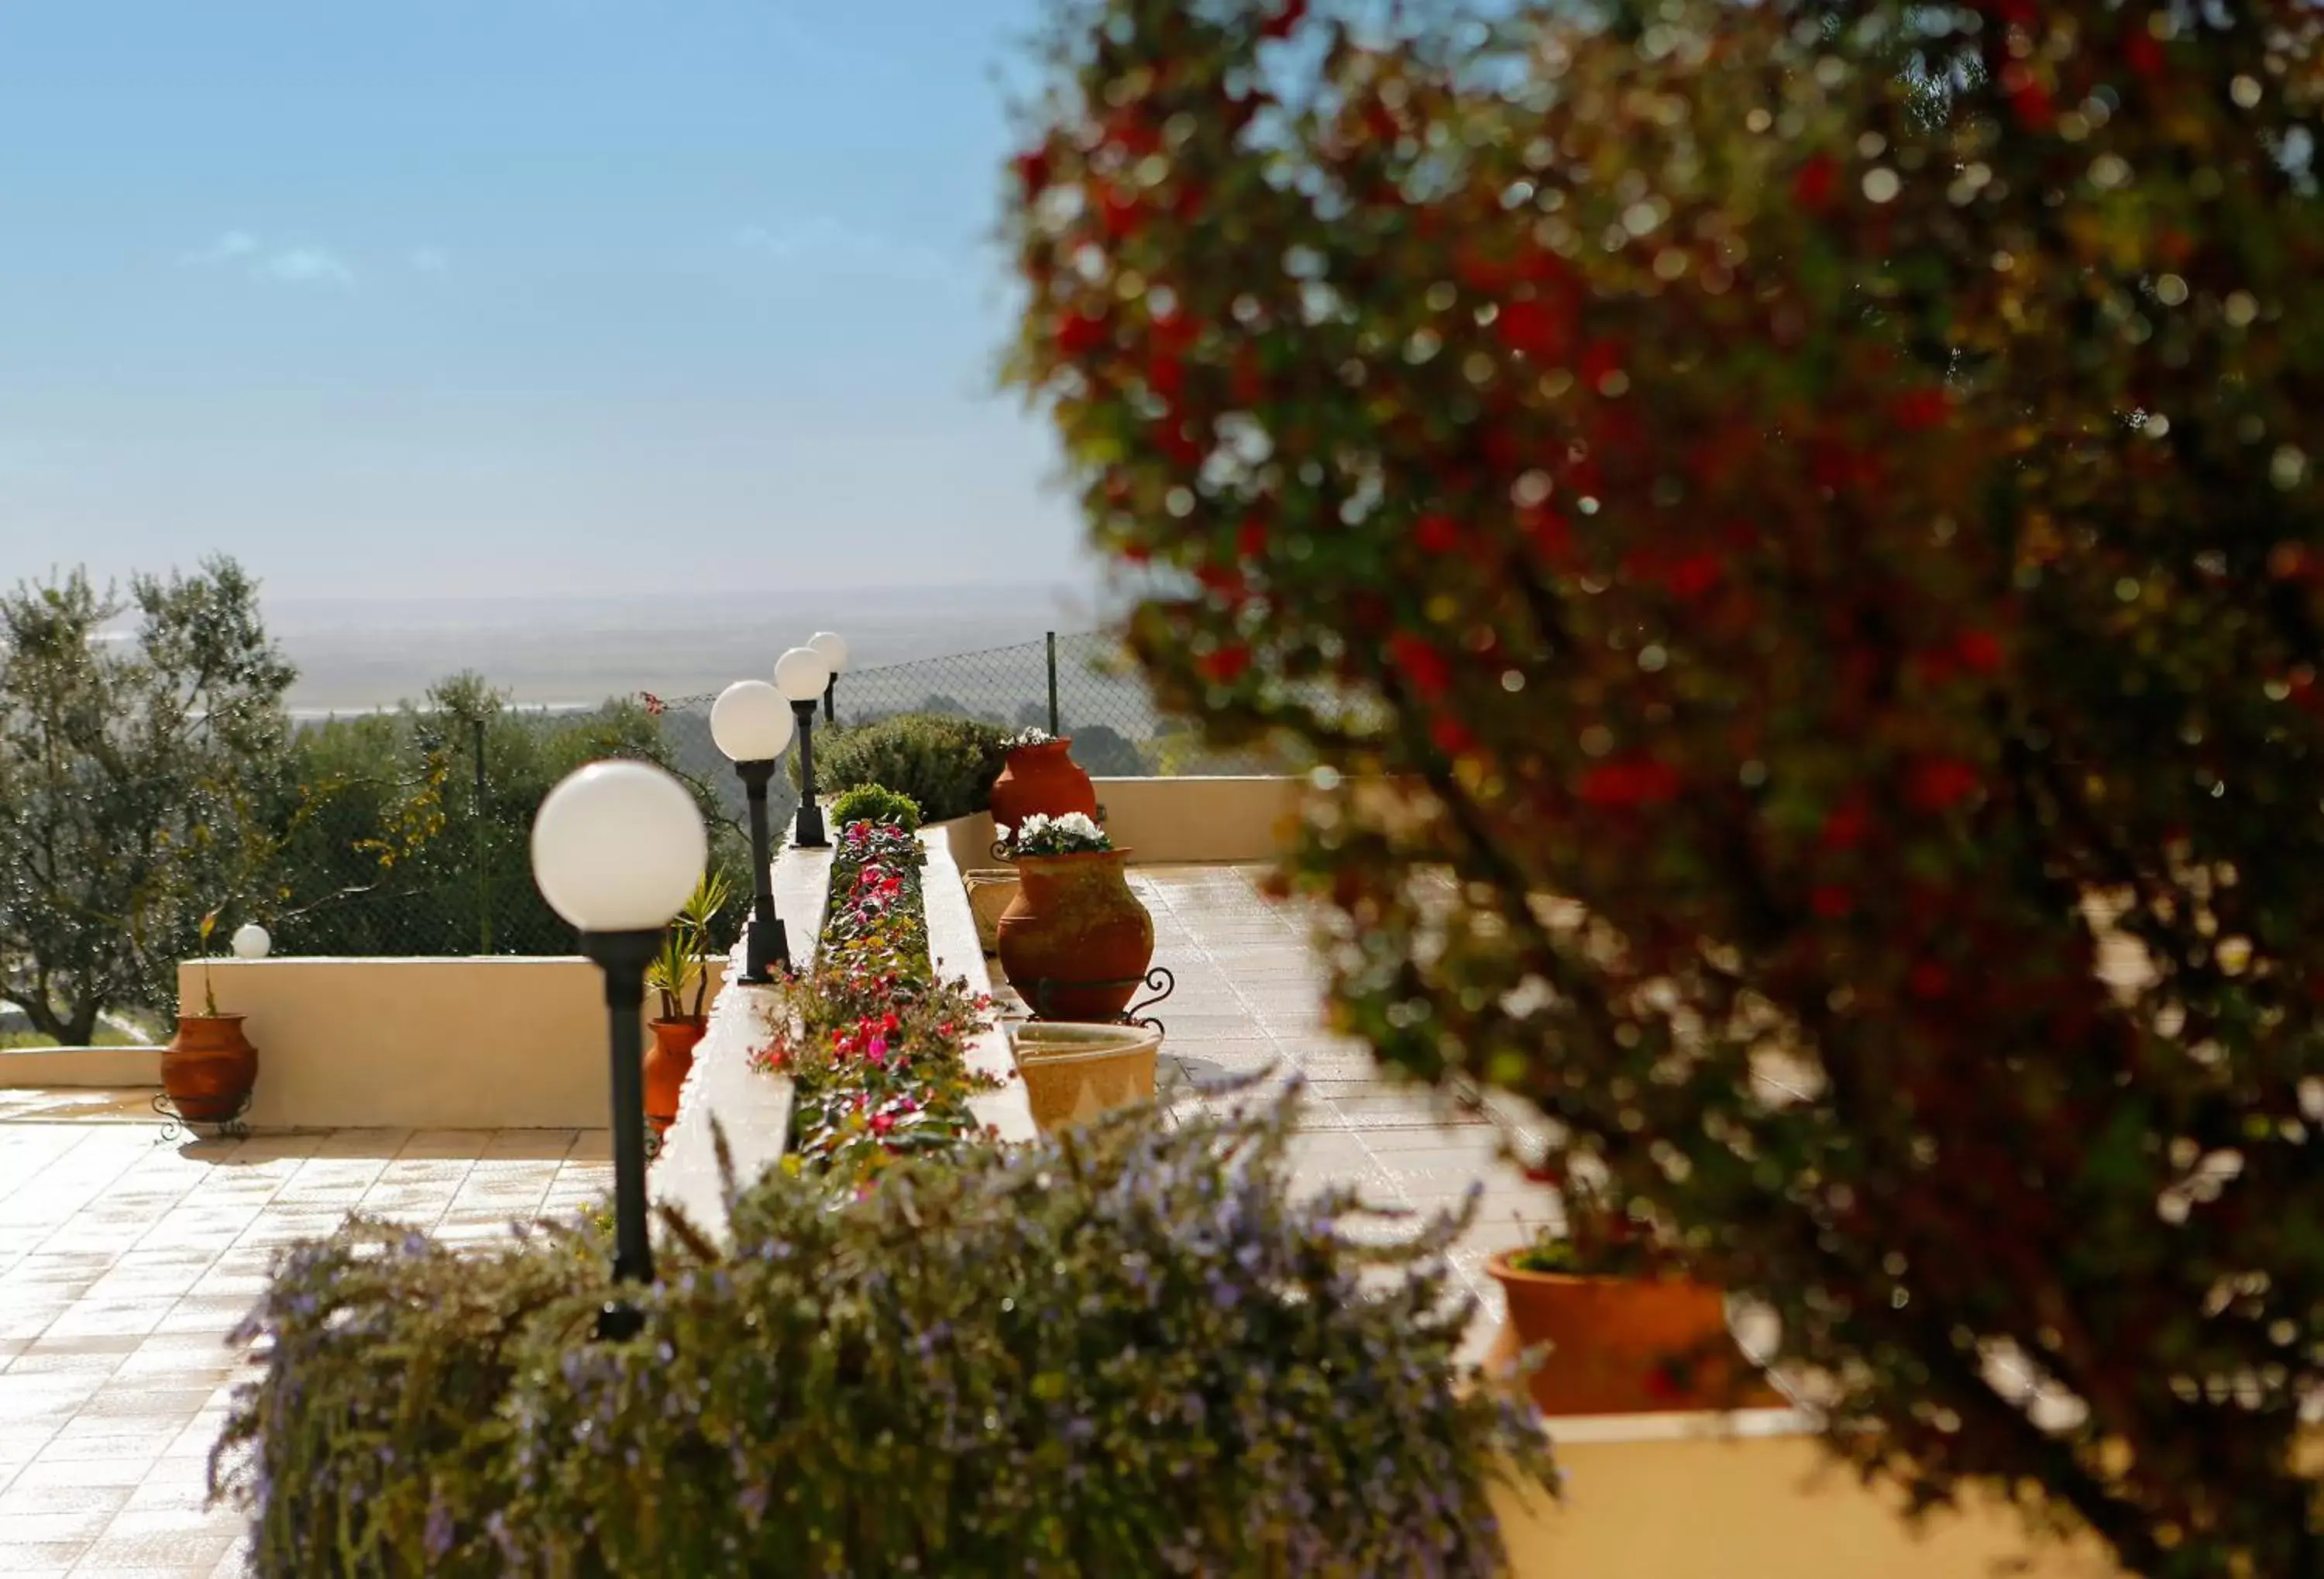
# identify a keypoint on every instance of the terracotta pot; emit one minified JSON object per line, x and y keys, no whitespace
{"x":1044,"y":779}
{"x":1075,"y":942}
{"x":209,"y":1068}
{"x":1622,"y":1346}
{"x":668,"y":1063}
{"x":1073,"y":1073}
{"x":989,"y":896}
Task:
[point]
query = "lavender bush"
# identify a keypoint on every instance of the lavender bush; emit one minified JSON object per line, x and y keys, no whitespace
{"x":1123,"y":1350}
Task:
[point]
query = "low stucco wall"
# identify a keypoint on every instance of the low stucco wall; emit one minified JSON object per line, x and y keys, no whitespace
{"x":1167,"y":822}
{"x":1772,"y":1508}
{"x":485,"y":1043}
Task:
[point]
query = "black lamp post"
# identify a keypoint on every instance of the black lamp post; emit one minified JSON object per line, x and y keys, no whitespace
{"x":834,"y":648}
{"x":802,"y":676}
{"x":752,"y":727}
{"x":616,"y":849}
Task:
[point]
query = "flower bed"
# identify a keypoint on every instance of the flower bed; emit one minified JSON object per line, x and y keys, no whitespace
{"x":873,"y":1043}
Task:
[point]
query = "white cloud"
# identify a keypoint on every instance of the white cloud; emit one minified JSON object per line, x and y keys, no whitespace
{"x":430,"y":259}
{"x":823,"y":238}
{"x":232,"y":244}
{"x":282,"y":265}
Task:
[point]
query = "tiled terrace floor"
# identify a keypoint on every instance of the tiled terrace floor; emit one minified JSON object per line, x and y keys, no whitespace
{"x":125,"y":1260}
{"x":1249,"y":997}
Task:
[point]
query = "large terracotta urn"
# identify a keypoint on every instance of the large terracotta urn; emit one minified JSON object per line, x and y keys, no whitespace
{"x":1042,"y":779}
{"x":668,"y":1063}
{"x":1075,"y":942}
{"x":1626,"y":1345}
{"x":209,"y":1067}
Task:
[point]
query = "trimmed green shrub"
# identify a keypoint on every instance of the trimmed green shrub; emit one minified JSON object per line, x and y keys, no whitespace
{"x":1127,"y":1351}
{"x":946,"y":765}
{"x":876,"y":803}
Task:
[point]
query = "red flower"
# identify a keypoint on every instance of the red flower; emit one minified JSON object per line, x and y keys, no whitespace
{"x":1551,"y":535}
{"x":1919,"y":409}
{"x":1847,"y":824}
{"x":1628,"y":782}
{"x":2142,"y":53}
{"x":1600,"y":359}
{"x":1693,"y":576}
{"x":1166,"y":376}
{"x":1452,"y":737}
{"x":1979,"y":652}
{"x":1079,"y":335}
{"x":1032,"y":170}
{"x":1535,"y":328}
{"x":1813,"y":186}
{"x":2030,"y":100}
{"x":1280,"y":25}
{"x":1427,"y":666}
{"x":1938,"y":784}
{"x":655,"y":705}
{"x":1928,"y":979}
{"x":1224,"y":665}
{"x":1251,"y":538}
{"x":1831,"y":901}
{"x":1437,"y":533}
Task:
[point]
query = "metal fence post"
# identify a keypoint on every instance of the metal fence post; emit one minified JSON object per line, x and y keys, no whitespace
{"x":484,"y":876}
{"x":1055,"y":727}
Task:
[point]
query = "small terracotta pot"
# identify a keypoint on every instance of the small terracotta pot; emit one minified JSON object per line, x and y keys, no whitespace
{"x":1073,"y":1073}
{"x":989,"y":896}
{"x":668,"y":1063}
{"x":1622,"y":1346}
{"x":209,"y":1067}
{"x":1075,"y":942}
{"x":1042,"y":779}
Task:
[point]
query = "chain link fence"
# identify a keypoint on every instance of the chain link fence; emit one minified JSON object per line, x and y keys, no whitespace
{"x":1082,"y":687}
{"x":419,"y":842}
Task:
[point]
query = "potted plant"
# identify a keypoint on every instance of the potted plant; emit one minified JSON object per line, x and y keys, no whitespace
{"x":1073,"y":1073}
{"x":1040,"y":778}
{"x":683,"y":963}
{"x":209,"y":1067}
{"x":1624,"y":1331}
{"x":1075,"y":941}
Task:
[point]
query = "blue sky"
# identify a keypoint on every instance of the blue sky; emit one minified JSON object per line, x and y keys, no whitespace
{"x":439,"y":296}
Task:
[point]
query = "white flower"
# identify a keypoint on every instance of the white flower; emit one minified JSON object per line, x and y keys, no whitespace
{"x":1078,"y":825}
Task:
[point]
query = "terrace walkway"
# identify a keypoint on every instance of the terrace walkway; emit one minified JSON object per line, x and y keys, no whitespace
{"x":125,"y":1261}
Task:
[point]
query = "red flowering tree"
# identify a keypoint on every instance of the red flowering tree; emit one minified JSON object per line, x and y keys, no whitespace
{"x":1812,"y":514}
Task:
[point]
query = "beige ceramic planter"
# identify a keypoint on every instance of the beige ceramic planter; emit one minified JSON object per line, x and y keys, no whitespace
{"x":988,"y":892}
{"x":1074,"y":1072}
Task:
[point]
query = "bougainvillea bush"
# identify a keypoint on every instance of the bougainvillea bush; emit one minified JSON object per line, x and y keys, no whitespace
{"x":873,"y":1043}
{"x":1123,"y":1352}
{"x":1808,"y":517}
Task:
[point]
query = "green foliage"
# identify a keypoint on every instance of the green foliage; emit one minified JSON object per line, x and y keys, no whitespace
{"x":876,"y":803}
{"x":1832,"y":496}
{"x":687,"y":945}
{"x":946,"y":765}
{"x":1126,"y":1351}
{"x":414,"y":855}
{"x":142,"y":780}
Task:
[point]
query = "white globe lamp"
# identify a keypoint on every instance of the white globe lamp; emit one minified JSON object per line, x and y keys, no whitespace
{"x":617,"y":847}
{"x":834,"y":648}
{"x":802,"y":675}
{"x":250,"y":941}
{"x":752,"y":724}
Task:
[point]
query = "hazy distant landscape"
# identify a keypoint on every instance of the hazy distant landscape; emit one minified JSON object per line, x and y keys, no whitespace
{"x":356,"y":655}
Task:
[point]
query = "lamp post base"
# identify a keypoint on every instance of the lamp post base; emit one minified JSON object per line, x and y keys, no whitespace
{"x":767,"y":949}
{"x":618,"y":1323}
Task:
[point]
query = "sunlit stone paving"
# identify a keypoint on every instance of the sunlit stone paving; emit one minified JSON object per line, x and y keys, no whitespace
{"x":126,"y":1255}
